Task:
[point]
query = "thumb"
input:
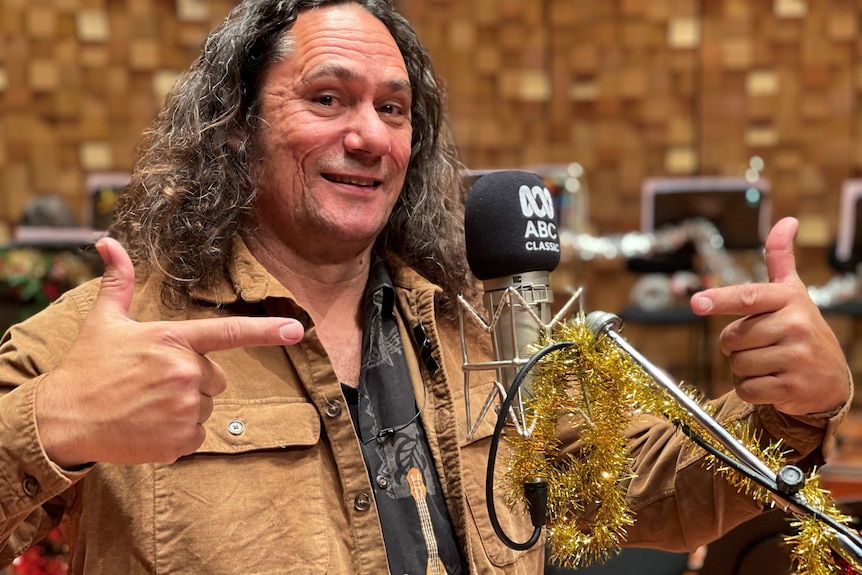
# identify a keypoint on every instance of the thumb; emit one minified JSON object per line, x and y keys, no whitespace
{"x":780,"y":261}
{"x":118,"y":281}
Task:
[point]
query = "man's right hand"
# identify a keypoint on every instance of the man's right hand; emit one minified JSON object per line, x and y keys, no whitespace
{"x":130,"y":392}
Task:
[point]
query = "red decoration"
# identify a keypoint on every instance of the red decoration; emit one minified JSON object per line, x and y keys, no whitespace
{"x":48,"y":557}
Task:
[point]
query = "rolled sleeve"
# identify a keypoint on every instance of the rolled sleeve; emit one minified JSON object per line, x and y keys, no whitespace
{"x":806,"y":434}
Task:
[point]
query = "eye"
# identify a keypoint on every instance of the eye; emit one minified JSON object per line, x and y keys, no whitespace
{"x":395,"y":113}
{"x":326,"y":100}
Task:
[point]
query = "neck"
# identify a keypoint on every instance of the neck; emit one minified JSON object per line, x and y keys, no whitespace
{"x":331,"y":291}
{"x":315,"y":280}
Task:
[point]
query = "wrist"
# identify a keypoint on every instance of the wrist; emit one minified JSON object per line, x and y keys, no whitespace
{"x":57,"y":430}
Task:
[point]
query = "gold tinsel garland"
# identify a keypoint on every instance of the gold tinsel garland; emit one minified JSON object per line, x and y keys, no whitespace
{"x":595,"y":388}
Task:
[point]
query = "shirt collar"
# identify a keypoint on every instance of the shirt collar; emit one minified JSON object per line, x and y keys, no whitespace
{"x":249,"y":281}
{"x":379,"y":291}
{"x":246,"y":280}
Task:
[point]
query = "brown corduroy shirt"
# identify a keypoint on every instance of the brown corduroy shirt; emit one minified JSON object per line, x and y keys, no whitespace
{"x":280,"y":486}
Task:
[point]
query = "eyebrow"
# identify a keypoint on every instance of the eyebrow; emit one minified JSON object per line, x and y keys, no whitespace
{"x":348,"y":75}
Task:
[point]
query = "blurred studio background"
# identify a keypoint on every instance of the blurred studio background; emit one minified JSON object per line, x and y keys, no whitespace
{"x":673,"y":133}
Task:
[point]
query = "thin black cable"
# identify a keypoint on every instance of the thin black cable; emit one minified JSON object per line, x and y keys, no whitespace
{"x":760,"y":479}
{"x":389,"y":431}
{"x":768,"y":484}
{"x":538,"y":522}
{"x":495,"y":441}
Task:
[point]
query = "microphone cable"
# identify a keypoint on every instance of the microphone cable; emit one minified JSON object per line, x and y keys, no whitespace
{"x":789,"y":480}
{"x":535,"y":490}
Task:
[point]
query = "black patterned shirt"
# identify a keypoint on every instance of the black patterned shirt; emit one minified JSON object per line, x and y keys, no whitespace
{"x":416,"y":527}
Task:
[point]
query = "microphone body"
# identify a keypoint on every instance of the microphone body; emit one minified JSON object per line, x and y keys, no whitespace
{"x":517,"y":302}
{"x":512,"y":245}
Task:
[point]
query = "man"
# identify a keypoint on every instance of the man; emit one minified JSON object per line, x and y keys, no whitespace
{"x":302,"y":170}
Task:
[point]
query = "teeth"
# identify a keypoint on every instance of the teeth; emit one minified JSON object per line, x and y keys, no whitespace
{"x":350,"y":180}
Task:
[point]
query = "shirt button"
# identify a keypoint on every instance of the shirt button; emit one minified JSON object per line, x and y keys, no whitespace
{"x":236,"y":427}
{"x":362,"y":502}
{"x":333,"y":408}
{"x":31,"y":486}
{"x":382,"y":481}
{"x":304,"y":319}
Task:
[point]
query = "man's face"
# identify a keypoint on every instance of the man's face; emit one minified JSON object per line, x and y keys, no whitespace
{"x":334,"y":136}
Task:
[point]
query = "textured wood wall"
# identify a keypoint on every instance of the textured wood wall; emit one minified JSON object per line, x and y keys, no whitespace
{"x":629,"y":89}
{"x":639,"y":88}
{"x":79,"y":82}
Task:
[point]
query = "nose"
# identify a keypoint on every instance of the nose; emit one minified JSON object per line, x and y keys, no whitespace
{"x":368,"y":134}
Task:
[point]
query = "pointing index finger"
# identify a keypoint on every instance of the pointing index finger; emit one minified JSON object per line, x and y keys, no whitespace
{"x":744,"y":299}
{"x":218,"y":334}
{"x":748,"y":299}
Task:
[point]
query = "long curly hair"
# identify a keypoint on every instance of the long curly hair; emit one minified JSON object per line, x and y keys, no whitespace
{"x":192,"y":189}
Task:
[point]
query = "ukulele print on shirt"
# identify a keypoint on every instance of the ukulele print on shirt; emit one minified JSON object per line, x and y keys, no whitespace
{"x":417,"y":489}
{"x":388,"y":418}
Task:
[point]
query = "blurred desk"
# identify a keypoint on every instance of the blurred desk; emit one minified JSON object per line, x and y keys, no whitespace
{"x":849,"y":333}
{"x":843,"y":480}
{"x":849,"y":309}
{"x":699,"y":371}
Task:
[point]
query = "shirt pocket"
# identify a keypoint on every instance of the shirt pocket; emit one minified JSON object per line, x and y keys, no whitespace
{"x":516,"y":524}
{"x":250,"y":499}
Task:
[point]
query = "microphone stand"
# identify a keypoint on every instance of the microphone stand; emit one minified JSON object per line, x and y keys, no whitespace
{"x":784,"y":485}
{"x":536,"y":488}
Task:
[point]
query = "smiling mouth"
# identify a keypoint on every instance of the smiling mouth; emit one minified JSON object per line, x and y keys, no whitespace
{"x":352,"y":180}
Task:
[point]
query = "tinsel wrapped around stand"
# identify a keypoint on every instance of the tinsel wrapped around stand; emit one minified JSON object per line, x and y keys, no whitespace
{"x":596,"y":388}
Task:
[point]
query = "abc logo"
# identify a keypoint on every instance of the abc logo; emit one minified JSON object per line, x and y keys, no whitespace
{"x":538,"y":206}
{"x":536,"y":202}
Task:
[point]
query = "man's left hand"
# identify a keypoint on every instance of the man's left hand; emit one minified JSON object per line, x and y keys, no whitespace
{"x":782,"y":350}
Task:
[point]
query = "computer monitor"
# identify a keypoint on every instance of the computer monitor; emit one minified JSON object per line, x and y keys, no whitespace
{"x":103,"y":189}
{"x":848,"y":240}
{"x":739,"y":209}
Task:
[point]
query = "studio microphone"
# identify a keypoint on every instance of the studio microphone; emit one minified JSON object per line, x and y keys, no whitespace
{"x":512,"y":245}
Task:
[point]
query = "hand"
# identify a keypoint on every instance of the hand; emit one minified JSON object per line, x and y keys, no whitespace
{"x":782,"y":349}
{"x":130,"y":392}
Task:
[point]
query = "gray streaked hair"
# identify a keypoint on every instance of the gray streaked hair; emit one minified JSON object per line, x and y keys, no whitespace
{"x":192,"y":189}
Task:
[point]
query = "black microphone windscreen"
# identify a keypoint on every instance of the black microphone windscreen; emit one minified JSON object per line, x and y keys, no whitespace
{"x":510,"y":225}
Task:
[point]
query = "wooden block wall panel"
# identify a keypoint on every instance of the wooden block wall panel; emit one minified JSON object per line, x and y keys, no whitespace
{"x":790,"y":8}
{"x":3,"y":157}
{"x":15,"y":180}
{"x":629,"y":89}
{"x":13,"y":19}
{"x":796,"y":106}
{"x":726,"y":80}
{"x":79,"y":82}
{"x":193,"y":10}
{"x":41,"y":22}
{"x":68,"y":6}
{"x":43,"y":75}
{"x":92,"y":26}
{"x":683,"y":33}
